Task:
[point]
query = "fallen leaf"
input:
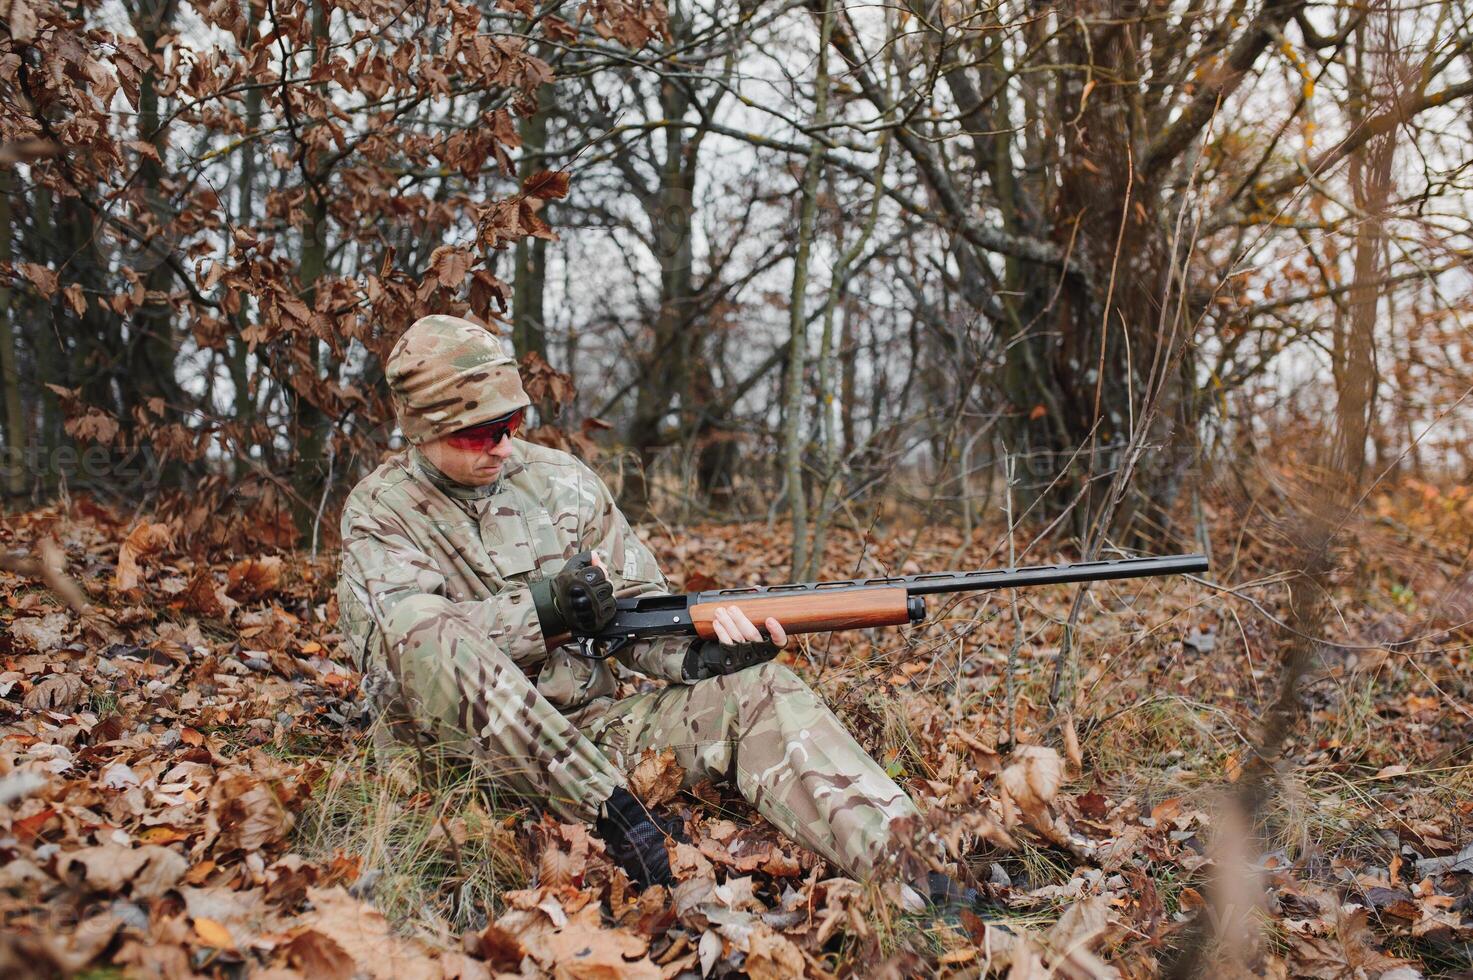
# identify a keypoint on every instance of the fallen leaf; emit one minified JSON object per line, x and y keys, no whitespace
{"x":656,"y":777}
{"x":150,"y":870}
{"x":587,"y":952}
{"x":42,"y":634}
{"x":144,"y":541}
{"x":319,"y":956}
{"x":29,"y":828}
{"x":205,"y":596}
{"x":363,"y":934}
{"x":245,"y":813}
{"x":212,"y":933}
{"x":1034,"y":778}
{"x":771,"y":956}
{"x":563,"y":860}
{"x":252,"y":578}
{"x":500,"y":948}
{"x":55,"y":692}
{"x":1071,"y":745}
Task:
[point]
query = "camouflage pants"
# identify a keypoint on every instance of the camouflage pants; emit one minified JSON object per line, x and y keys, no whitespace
{"x":762,"y":729}
{"x":767,"y":733}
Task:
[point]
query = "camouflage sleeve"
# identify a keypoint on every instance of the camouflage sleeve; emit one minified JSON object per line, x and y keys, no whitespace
{"x":604,"y":529}
{"x":383,"y":567}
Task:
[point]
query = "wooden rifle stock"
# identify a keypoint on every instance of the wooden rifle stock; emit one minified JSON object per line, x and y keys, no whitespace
{"x":849,"y":610}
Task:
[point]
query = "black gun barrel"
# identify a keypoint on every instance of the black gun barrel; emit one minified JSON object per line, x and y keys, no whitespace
{"x":933,"y":583}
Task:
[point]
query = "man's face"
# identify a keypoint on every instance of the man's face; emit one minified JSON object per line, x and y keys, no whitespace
{"x":473,"y":457}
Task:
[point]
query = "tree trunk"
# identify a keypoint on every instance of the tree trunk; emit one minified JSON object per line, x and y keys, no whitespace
{"x":1081,"y":396}
{"x":238,"y":354}
{"x":311,"y":469}
{"x":152,"y":344}
{"x":529,"y":323}
{"x":1353,"y":354}
{"x":795,"y":432}
{"x":666,"y":369}
{"x":16,"y":441}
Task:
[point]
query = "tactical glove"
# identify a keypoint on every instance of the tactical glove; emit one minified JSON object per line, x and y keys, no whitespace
{"x":636,"y":838}
{"x":578,"y":599}
{"x":707,"y":658}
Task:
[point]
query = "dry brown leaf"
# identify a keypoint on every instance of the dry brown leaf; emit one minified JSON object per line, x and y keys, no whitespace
{"x":44,"y":634}
{"x":55,"y":692}
{"x":318,"y":956}
{"x":151,"y":870}
{"x":583,"y":951}
{"x":738,"y":894}
{"x":144,"y":541}
{"x":1074,"y":938}
{"x":1027,"y":964}
{"x":212,"y":933}
{"x":252,"y":578}
{"x":657,"y":777}
{"x":72,"y":949}
{"x":771,"y":956}
{"x":205,"y":596}
{"x":45,"y":280}
{"x":361,"y":932}
{"x":1348,"y":952}
{"x":500,"y":948}
{"x":547,"y":185}
{"x":564,"y":858}
{"x":688,"y":862}
{"x":1034,"y":778}
{"x":1071,"y":745}
{"x":245,"y":813}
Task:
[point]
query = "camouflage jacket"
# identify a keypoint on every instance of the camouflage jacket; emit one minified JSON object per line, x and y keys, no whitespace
{"x":409,"y":530}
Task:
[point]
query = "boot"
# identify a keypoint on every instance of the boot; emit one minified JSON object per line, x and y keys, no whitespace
{"x":636,"y":838}
{"x":948,"y":897}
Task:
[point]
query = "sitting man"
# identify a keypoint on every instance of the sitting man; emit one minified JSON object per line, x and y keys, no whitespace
{"x":468,"y":560}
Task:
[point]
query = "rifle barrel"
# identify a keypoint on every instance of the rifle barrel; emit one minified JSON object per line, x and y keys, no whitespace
{"x":933,"y":583}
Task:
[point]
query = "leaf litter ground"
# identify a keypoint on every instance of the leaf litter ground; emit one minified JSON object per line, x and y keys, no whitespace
{"x":186,"y":786}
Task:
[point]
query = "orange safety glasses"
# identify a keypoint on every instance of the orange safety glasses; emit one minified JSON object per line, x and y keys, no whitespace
{"x":487,"y":435}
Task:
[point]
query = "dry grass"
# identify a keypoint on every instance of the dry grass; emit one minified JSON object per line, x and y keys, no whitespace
{"x":435,"y":847}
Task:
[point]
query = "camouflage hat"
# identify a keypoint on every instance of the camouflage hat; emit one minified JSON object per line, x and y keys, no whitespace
{"x":446,"y":373}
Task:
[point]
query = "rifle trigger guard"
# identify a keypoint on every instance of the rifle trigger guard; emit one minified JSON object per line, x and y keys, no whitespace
{"x":595,"y":648}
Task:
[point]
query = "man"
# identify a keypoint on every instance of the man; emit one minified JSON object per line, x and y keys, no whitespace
{"x":466,"y":555}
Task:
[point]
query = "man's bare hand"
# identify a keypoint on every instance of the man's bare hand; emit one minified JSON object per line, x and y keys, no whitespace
{"x":739,"y":644}
{"x":733,"y":626}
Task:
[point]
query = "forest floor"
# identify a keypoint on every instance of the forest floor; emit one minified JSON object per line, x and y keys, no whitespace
{"x":185,"y":789}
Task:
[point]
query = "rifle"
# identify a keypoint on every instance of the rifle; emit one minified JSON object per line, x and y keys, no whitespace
{"x":816,"y":607}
